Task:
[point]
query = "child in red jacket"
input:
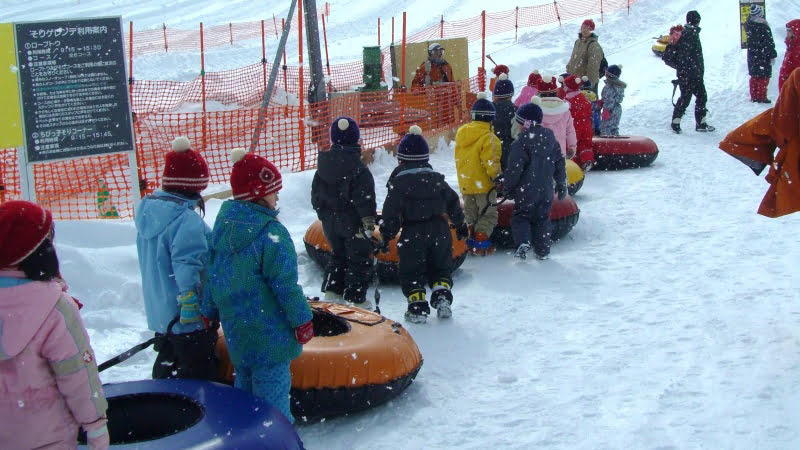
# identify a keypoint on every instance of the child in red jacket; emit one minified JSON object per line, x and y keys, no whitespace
{"x":581,"y":110}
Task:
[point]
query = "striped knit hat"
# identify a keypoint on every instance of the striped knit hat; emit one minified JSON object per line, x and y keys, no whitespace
{"x":413,"y":146}
{"x":184,"y":169}
{"x":253,"y":176}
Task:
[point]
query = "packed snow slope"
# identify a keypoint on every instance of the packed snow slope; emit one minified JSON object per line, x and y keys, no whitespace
{"x":669,"y":318}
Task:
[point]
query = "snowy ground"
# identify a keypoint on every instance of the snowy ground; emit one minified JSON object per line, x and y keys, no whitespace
{"x":667,"y":319}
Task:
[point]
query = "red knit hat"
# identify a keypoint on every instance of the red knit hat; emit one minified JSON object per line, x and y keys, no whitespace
{"x":500,"y":68}
{"x":574,"y":83}
{"x":588,"y":23}
{"x":184,"y":169}
{"x":547,"y":83}
{"x":23,"y":228}
{"x":533,"y":78}
{"x":253,"y":176}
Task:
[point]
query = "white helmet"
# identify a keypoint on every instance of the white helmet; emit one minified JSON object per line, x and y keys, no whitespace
{"x":434,"y":46}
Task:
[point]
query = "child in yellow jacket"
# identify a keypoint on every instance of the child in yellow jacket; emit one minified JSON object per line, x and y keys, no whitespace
{"x":478,"y":152}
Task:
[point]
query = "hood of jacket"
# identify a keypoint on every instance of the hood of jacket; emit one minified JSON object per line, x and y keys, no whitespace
{"x":552,"y":106}
{"x":158,"y":211}
{"x":24,"y":306}
{"x":238,"y":224}
{"x":793,"y":25}
{"x":472,"y":132}
{"x":339,"y":162}
{"x":616,"y":82}
{"x":538,"y":140}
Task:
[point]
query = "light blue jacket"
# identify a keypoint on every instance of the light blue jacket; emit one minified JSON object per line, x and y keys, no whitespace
{"x":172,"y":242}
{"x":252,"y":279}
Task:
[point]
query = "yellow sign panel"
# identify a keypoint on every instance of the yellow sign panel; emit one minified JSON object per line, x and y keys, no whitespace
{"x":10,"y":113}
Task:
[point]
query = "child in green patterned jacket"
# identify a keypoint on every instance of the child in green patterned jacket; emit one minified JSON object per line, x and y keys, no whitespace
{"x":252,"y":280}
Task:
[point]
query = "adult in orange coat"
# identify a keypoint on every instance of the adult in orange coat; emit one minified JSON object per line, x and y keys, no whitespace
{"x":754,"y":144}
{"x":433,"y":70}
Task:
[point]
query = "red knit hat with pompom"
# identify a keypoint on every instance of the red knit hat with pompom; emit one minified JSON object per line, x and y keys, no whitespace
{"x":184,"y":169}
{"x":534,"y":78}
{"x":500,"y":68}
{"x":253,"y":176}
{"x":23,"y":228}
{"x":574,"y":83}
{"x":547,"y":84}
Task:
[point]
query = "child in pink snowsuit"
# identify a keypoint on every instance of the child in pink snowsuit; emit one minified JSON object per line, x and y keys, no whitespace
{"x":581,"y":110}
{"x":49,"y":385}
{"x":557,"y":116}
{"x":529,"y":90}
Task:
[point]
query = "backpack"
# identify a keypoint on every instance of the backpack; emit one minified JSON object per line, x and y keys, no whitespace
{"x":670,"y":56}
{"x":603,"y":66}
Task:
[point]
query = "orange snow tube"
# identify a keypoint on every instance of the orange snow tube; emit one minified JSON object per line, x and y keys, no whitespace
{"x":319,"y":250}
{"x":357,"y":359}
{"x":623,"y":152}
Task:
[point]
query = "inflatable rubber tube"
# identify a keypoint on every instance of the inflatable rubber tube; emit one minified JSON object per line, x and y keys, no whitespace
{"x":356,"y":360}
{"x":319,"y":250}
{"x":563,"y":215}
{"x":623,"y":152}
{"x":161,"y":414}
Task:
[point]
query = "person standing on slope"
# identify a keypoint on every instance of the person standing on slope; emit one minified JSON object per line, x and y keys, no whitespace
{"x":690,"y":68}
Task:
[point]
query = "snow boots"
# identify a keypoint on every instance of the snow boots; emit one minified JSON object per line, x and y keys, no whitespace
{"x":418,"y":309}
{"x":676,"y":125}
{"x":357,"y":295}
{"x":441,"y":299}
{"x":703,"y":126}
{"x":332,"y":287}
{"x":522,"y":251}
{"x":480,"y":244}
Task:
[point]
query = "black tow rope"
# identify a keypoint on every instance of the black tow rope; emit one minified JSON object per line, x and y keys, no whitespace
{"x":135,"y":349}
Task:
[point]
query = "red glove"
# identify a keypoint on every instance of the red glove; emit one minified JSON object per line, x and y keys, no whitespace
{"x":304,"y":332}
{"x":599,"y":103}
{"x":606,"y":114}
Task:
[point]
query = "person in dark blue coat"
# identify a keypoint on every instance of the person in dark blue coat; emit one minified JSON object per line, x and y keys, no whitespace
{"x":761,"y":54}
{"x":417,"y":200}
{"x":343,"y":194}
{"x":504,"y":115}
{"x":535,"y":165}
{"x":690,"y":69}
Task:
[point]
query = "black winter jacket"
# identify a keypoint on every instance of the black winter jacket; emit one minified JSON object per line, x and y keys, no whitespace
{"x":760,"y":49}
{"x":417,"y":193}
{"x":343,"y":184}
{"x":534,"y":166}
{"x":502,"y":127}
{"x":690,"y":65}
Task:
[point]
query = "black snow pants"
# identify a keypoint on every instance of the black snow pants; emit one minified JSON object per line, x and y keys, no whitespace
{"x":351,"y":257}
{"x":425,"y":251}
{"x":689,"y":88}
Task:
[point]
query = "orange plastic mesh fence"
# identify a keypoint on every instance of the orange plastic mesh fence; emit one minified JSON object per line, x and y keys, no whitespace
{"x":97,"y":187}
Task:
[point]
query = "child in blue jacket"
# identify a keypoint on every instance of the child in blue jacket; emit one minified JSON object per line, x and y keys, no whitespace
{"x":535,"y":165}
{"x":252,"y":281}
{"x":172,"y":245}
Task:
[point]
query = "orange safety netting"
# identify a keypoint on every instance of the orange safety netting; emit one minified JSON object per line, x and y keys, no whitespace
{"x":291,"y":135}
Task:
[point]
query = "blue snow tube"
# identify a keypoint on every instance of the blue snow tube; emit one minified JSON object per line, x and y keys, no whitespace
{"x":165,"y":414}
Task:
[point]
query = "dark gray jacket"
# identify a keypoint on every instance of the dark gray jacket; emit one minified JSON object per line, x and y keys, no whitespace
{"x":535,"y":167}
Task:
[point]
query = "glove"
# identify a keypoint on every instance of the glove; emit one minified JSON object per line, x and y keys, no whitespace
{"x":304,"y":332}
{"x":462,"y":231}
{"x":599,"y":103}
{"x":606,"y":114}
{"x":98,"y":439}
{"x":499,"y":185}
{"x":190,"y":309}
{"x":561,"y":192}
{"x":570,"y":152}
{"x":367,"y":227}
